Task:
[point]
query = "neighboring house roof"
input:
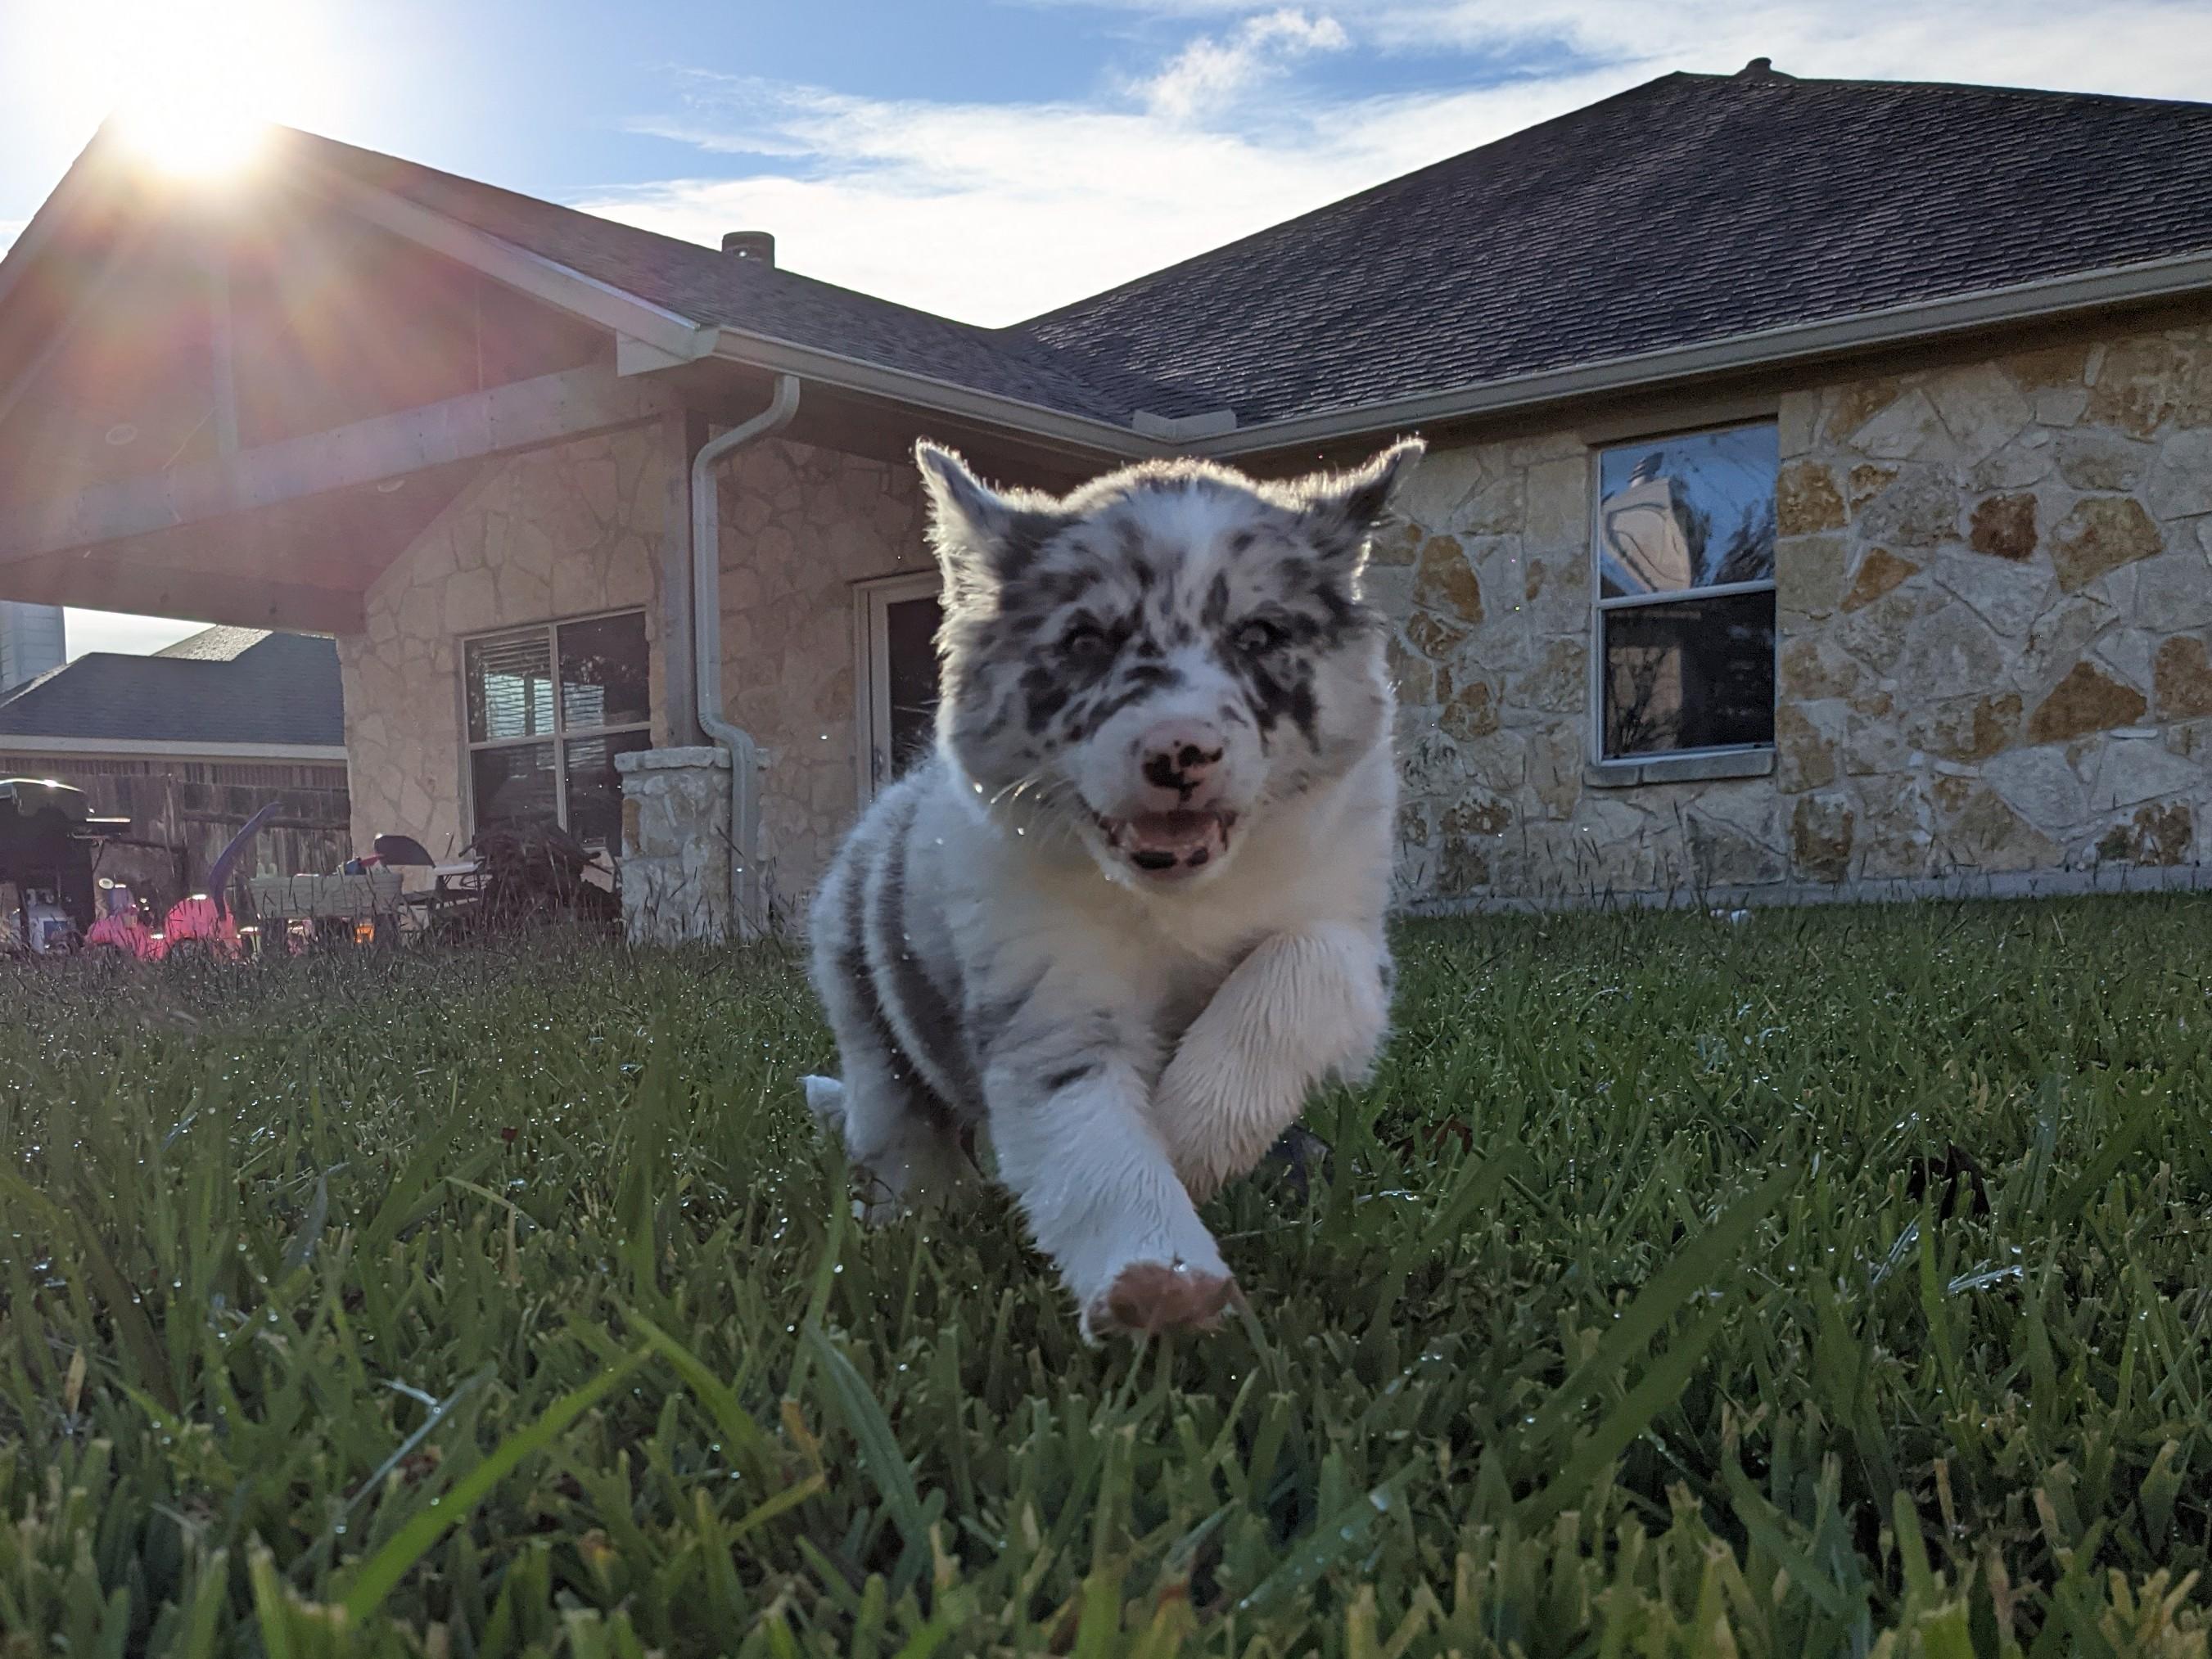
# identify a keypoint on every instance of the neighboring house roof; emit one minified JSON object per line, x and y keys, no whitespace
{"x":224,"y":686}
{"x":1692,"y":209}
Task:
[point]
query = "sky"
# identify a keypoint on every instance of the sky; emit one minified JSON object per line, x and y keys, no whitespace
{"x":987,"y":159}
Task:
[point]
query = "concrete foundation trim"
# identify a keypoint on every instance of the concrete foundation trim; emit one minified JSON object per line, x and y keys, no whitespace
{"x":2099,"y":880}
{"x":676,"y":846}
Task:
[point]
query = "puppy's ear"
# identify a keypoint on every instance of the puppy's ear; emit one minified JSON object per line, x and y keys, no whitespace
{"x":1340,"y":510}
{"x":982,"y":538}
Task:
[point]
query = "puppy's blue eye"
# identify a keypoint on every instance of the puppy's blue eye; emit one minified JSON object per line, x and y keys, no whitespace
{"x":1257,"y":637}
{"x":1084,"y":640}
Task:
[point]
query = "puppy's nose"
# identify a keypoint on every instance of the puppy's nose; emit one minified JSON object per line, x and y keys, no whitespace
{"x":1178,"y":759}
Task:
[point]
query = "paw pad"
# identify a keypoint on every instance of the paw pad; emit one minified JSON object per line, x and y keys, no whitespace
{"x":1151,"y":1296}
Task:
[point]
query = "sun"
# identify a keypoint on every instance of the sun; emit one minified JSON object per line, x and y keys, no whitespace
{"x":191,"y":84}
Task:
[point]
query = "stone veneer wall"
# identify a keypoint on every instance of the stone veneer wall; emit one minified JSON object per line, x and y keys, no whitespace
{"x":800,"y":527}
{"x":1995,"y":606}
{"x":1995,"y":603}
{"x":559,"y":531}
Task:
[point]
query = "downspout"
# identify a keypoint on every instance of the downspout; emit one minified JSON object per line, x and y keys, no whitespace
{"x":707,"y":655}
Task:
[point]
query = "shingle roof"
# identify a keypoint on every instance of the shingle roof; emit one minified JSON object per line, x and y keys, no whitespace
{"x":1690,"y":209}
{"x":707,"y":286}
{"x":225,"y":685}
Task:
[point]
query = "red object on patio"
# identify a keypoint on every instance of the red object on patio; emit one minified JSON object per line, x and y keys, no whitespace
{"x":198,"y":921}
{"x":123,"y":930}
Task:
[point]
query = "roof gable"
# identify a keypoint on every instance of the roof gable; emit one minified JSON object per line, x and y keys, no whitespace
{"x":709,"y":289}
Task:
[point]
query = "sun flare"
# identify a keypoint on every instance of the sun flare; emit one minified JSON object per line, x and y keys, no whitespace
{"x":191,"y":85}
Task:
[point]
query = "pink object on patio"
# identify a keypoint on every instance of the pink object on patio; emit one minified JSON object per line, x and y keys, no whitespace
{"x":196,"y":920}
{"x":121,"y":930}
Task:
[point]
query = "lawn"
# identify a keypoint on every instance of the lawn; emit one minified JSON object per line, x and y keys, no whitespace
{"x":1831,"y":1283}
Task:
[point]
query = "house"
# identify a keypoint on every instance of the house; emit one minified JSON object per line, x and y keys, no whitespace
{"x":188,"y":743}
{"x":1819,"y":503}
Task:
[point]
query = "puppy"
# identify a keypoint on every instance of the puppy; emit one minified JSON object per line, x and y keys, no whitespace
{"x":1130,"y":912}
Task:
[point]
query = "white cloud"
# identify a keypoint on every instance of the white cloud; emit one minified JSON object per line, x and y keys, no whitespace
{"x":9,"y":230}
{"x":992,"y":212}
{"x":1213,"y":72}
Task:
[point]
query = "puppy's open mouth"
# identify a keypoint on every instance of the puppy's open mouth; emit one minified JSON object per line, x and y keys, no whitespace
{"x":1163,"y":844}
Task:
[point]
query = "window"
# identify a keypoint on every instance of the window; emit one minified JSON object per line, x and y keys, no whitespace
{"x":1685,"y":548}
{"x":548,"y":709}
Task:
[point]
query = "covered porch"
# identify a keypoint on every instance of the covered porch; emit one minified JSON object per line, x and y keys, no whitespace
{"x":342,"y":395}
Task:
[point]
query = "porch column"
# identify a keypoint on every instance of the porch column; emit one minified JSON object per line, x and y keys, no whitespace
{"x":676,"y":846}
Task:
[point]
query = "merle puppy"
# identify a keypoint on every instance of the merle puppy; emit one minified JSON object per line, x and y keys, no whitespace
{"x":1131,"y":911}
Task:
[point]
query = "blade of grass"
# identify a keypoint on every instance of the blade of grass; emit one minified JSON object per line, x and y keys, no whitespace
{"x":741,"y":1433}
{"x":887,"y":1464}
{"x":1663,"y":1296}
{"x":2116,"y":1150}
{"x":130,"y":1321}
{"x":311,"y":1226}
{"x":1763,"y":1526}
{"x":1340,"y":1538}
{"x":384,"y":1570}
{"x":1658,"y":1389}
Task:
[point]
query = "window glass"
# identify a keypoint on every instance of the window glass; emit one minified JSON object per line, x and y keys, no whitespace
{"x":514,"y":787}
{"x":603,"y":679}
{"x":1679,"y":513}
{"x":1690,"y":674}
{"x":595,"y":787}
{"x":510,"y":686}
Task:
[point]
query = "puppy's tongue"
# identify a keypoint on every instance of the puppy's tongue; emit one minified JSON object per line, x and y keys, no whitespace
{"x":1162,"y":841}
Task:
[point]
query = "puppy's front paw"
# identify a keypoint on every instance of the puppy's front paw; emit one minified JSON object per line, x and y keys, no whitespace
{"x":1151,"y":1296}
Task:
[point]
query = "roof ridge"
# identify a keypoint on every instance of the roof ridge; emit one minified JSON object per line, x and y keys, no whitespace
{"x":36,"y":680}
{"x":1778,"y":82}
{"x":741,"y":270}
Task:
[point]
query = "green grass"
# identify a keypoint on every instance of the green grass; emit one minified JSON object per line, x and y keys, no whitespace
{"x":503,"y":1303}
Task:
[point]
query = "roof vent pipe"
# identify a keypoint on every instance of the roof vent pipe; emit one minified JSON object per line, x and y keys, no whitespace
{"x":746,"y":908}
{"x":754,"y":247}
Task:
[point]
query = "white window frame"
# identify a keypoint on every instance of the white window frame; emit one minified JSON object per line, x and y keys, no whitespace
{"x":558,"y":737}
{"x":1601,"y":603}
{"x":872,"y":669}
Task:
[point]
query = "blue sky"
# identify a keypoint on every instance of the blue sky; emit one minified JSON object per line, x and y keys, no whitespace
{"x":991,"y":158}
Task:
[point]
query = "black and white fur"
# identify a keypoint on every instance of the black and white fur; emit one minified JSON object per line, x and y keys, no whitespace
{"x":1131,"y":911}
